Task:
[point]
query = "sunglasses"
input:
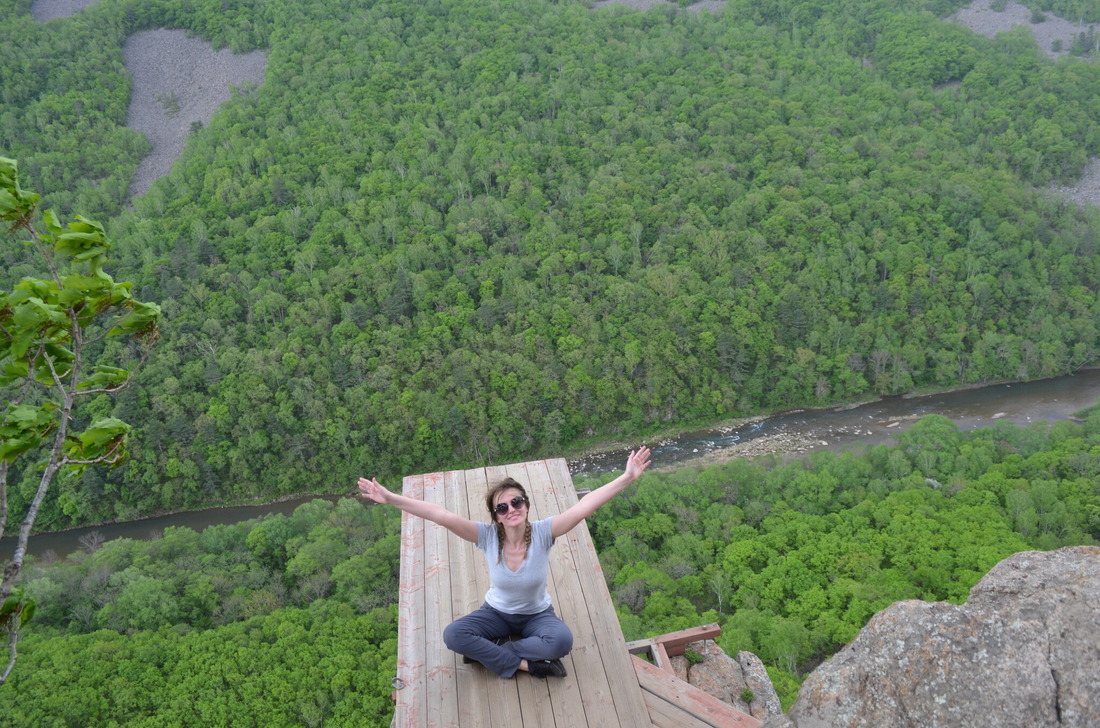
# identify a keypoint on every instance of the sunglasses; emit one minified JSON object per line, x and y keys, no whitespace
{"x":518,"y":502}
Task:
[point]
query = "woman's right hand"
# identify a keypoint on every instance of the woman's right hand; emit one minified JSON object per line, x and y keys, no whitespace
{"x":458,"y":525}
{"x":373,"y":490}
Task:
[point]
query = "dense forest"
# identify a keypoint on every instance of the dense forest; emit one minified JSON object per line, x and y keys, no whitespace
{"x":290,"y":620}
{"x":441,"y":234}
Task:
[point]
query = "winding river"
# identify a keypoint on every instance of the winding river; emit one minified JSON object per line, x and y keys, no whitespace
{"x":837,"y":429}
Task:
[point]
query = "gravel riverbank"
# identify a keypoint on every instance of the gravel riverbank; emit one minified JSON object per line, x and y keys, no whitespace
{"x":178,"y":81}
{"x":43,"y":10}
{"x":1052,"y":33}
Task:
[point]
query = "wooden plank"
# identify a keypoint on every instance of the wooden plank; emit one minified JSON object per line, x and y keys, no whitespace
{"x":441,"y":694}
{"x":666,"y":715}
{"x":411,"y":700}
{"x":535,"y":703}
{"x":590,"y":639}
{"x":610,"y":649}
{"x":707,"y":708}
{"x":592,"y":704}
{"x":676,"y":642}
{"x":546,"y":703}
{"x":534,"y":696}
{"x":660,"y":658}
{"x":476,"y":486}
{"x":504,"y":702}
{"x":470,"y":680}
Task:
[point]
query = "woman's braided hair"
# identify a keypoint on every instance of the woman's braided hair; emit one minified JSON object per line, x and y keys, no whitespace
{"x":490,"y":499}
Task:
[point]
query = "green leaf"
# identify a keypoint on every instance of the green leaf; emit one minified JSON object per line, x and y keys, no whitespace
{"x":87,"y":283}
{"x":50,"y":218}
{"x":29,"y":288}
{"x":73,"y":243}
{"x":58,"y":352}
{"x":8,"y":170}
{"x":141,"y":317}
{"x":27,"y":612}
{"x":104,"y":431}
{"x":15,"y":202}
{"x":69,"y":297}
{"x":16,"y":606}
{"x":14,"y":370}
{"x":105,"y":376}
{"x":98,"y":440}
{"x":35,"y":312}
{"x":20,"y":343}
{"x":23,"y":428}
{"x":8,"y":204}
{"x":24,"y":415}
{"x":84,"y":224}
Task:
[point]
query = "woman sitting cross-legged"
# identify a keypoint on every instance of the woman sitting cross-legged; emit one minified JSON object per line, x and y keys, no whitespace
{"x":516,"y":628}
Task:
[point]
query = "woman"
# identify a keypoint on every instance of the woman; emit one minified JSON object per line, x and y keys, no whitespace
{"x":517,"y":604}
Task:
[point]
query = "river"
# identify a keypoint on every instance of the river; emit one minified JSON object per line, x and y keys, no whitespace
{"x":834,"y":429}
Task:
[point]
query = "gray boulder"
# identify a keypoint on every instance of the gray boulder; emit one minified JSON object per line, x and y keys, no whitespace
{"x":1023,"y":651}
{"x":730,"y":680}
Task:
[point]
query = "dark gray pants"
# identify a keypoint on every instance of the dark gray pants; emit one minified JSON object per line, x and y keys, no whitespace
{"x":540,"y":636}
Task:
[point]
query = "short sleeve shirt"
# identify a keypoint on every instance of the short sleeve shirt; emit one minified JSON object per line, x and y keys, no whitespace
{"x":522,"y":591}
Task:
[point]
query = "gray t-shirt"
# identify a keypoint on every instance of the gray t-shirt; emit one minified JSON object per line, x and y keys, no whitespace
{"x":523,"y":591}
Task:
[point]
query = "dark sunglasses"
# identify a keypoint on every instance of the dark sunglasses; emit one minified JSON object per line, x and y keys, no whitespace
{"x":518,"y":502}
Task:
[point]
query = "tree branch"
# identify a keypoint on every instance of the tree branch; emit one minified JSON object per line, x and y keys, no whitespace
{"x":111,"y":457}
{"x":44,"y":250}
{"x":13,"y":640}
{"x":4,"y":468}
{"x":104,"y":390}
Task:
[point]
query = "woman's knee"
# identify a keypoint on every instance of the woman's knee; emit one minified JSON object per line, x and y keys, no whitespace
{"x":453,"y":636}
{"x":565,"y":641}
{"x":559,"y":640}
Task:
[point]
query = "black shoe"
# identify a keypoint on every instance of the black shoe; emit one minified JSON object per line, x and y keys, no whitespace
{"x":546,"y":668}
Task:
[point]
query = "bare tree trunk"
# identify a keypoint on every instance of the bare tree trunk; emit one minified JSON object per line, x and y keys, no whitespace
{"x":4,"y":468}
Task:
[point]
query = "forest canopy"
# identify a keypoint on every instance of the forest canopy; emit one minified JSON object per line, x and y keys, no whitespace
{"x":448,"y":233}
{"x":291,"y":619}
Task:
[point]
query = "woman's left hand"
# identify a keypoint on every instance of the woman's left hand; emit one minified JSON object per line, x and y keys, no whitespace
{"x":637,"y":462}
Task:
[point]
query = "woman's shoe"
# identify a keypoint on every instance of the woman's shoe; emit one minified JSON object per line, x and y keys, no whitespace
{"x":546,"y":668}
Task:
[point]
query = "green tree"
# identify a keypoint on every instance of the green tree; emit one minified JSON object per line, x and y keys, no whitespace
{"x":52,"y":330}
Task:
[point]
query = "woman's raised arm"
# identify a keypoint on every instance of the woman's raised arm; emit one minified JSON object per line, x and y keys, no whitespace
{"x":456,"y":524}
{"x":568,"y":519}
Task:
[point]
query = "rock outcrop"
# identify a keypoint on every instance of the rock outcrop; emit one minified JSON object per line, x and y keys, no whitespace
{"x":1024,"y":651}
{"x":742,"y":683}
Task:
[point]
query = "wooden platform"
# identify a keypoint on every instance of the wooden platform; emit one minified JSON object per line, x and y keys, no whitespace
{"x":444,"y":577}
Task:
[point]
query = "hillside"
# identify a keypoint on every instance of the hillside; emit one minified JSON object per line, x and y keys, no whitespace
{"x":451,"y":233}
{"x":291,"y":617}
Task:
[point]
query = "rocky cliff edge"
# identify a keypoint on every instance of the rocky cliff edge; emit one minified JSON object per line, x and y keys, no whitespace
{"x":1023,"y":651}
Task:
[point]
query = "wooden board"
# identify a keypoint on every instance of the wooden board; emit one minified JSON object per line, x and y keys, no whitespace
{"x":412,"y":695}
{"x":608,"y":647}
{"x":471,"y":686}
{"x":702,"y":706}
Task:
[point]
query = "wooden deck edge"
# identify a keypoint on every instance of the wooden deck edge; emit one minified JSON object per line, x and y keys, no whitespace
{"x":662,"y":647}
{"x":708,"y":709}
